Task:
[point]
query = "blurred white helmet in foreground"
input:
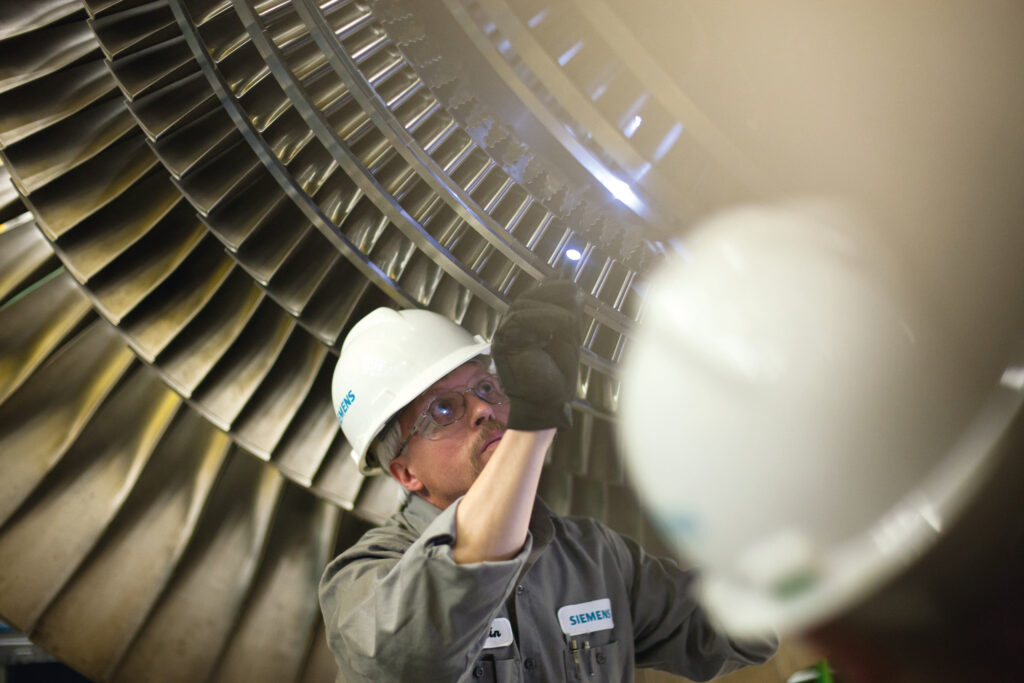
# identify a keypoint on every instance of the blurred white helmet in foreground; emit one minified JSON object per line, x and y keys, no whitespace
{"x":796,"y":417}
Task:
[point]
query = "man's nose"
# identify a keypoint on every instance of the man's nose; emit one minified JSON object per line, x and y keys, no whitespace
{"x":480,"y":411}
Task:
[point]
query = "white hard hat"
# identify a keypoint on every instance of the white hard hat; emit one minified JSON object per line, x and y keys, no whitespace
{"x":388,"y":359}
{"x":792,"y":414}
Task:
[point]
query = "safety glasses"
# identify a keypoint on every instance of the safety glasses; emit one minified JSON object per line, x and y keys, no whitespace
{"x":449,"y":406}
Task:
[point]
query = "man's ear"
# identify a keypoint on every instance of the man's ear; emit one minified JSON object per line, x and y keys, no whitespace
{"x":404,"y":477}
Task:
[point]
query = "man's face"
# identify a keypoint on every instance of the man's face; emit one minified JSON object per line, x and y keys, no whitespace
{"x":443,"y":468}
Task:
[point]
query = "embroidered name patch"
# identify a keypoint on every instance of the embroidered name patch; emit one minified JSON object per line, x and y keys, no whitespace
{"x":499,"y":634}
{"x":586,"y":617}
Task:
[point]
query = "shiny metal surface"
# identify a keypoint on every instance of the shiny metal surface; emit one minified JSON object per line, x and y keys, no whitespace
{"x":69,"y":143}
{"x":25,"y":17}
{"x":132,"y":564}
{"x":32,"y":107}
{"x":33,"y":331}
{"x":271,"y":636}
{"x":24,"y":255}
{"x":201,"y":603}
{"x":42,"y":420}
{"x":74,"y":503}
{"x":611,"y":103}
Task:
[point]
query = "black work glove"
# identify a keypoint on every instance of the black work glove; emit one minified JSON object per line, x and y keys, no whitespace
{"x":537,"y":352}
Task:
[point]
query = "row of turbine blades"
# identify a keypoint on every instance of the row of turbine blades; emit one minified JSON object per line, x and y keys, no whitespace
{"x":173,"y":304}
{"x":137,"y":541}
{"x":123,"y":506}
{"x":207,"y":267}
{"x":604,"y":81}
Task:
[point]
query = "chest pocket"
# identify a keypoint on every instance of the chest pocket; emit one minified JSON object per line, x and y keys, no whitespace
{"x":594,"y":664}
{"x":491,"y":670}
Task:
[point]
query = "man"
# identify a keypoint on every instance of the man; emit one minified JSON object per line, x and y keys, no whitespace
{"x":475,"y":578}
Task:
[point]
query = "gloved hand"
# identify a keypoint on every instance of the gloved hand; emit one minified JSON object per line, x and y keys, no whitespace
{"x":536,"y":349}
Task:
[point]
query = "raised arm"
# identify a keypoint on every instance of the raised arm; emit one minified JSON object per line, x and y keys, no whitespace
{"x":536,"y":350}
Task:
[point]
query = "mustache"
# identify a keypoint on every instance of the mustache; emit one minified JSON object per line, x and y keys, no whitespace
{"x":489,"y":429}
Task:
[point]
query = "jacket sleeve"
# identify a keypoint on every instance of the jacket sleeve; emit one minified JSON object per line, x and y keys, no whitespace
{"x":400,"y":612}
{"x":672,"y":632}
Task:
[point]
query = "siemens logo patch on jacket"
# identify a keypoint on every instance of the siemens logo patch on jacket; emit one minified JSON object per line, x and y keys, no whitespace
{"x":587,"y":617}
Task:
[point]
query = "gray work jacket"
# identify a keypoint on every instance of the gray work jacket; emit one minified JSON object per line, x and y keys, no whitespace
{"x":579,"y":602}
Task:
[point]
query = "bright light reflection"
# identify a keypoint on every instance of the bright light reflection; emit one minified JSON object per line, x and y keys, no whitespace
{"x":570,"y":53}
{"x":1013,"y":377}
{"x":668,"y":141}
{"x":621,"y":191}
{"x":573,"y":254}
{"x":633,"y":125}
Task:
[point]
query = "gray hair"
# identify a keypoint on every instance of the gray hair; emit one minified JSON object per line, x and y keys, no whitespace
{"x":385,"y":447}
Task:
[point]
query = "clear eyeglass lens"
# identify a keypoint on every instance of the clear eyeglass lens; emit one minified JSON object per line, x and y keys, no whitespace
{"x":488,"y":390}
{"x":449,"y":407}
{"x":426,"y":427}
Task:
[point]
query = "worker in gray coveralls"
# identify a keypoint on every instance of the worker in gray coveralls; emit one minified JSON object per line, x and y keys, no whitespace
{"x":475,"y":578}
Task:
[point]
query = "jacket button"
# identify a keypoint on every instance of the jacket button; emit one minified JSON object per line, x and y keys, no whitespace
{"x":530,"y":664}
{"x":520,"y":589}
{"x":600,"y":658}
{"x":478,"y":672}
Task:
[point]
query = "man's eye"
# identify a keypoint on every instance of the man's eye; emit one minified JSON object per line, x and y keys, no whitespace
{"x":444,"y":408}
{"x":490,"y":390}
